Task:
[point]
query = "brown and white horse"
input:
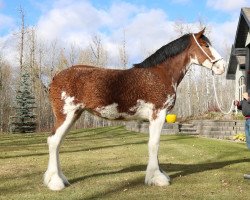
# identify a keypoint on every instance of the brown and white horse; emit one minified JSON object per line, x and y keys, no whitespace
{"x":145,"y":91}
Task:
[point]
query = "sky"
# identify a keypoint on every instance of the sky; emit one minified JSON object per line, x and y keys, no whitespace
{"x":147,"y":25}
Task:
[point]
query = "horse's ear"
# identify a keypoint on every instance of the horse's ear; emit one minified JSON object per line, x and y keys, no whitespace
{"x":199,"y":34}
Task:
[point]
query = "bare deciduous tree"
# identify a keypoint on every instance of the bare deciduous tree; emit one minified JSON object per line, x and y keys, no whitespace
{"x":123,"y":53}
{"x":6,"y":94}
{"x":73,"y":54}
{"x":100,"y":55}
{"x":22,"y":37}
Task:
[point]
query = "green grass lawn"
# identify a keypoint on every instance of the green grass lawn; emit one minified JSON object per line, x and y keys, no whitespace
{"x":110,"y":163}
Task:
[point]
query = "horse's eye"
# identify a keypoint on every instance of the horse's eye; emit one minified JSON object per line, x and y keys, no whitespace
{"x":207,"y":45}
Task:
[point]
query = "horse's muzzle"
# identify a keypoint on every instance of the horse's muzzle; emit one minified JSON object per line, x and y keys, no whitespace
{"x":218,"y":67}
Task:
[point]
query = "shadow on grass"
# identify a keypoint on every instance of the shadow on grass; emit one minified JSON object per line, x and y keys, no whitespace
{"x":181,"y":169}
{"x":76,"y":150}
{"x":187,"y":169}
{"x":144,"y":140}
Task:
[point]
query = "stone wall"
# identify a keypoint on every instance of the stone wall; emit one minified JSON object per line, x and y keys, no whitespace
{"x":143,"y":127}
{"x":219,"y":129}
{"x":207,"y":128}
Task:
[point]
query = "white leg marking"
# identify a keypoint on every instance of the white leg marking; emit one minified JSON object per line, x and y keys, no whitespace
{"x":54,"y":177}
{"x":154,"y":176}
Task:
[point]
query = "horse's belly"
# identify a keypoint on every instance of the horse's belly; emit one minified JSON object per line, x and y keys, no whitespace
{"x":141,"y":110}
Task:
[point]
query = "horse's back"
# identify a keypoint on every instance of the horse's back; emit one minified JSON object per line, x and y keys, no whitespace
{"x":86,"y":83}
{"x":72,"y":75}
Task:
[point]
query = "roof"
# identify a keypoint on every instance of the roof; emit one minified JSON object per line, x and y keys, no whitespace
{"x":238,"y":48}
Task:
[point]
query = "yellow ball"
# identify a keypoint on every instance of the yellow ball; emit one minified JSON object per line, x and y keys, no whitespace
{"x":171,"y":118}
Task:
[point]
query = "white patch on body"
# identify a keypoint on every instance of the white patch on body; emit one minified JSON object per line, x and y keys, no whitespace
{"x":110,"y":111}
{"x":194,"y":60}
{"x":142,"y":110}
{"x":174,"y":85}
{"x":63,"y":95}
{"x":69,"y":104}
{"x":169,"y":102}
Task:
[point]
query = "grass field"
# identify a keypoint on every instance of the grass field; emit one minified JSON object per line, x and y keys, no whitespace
{"x":109,"y":163}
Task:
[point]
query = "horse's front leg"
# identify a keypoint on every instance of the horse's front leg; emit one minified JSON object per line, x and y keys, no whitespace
{"x":155,"y":176}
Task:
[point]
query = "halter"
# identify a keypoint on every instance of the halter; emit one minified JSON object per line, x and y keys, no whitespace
{"x":214,"y":61}
{"x":210,"y":59}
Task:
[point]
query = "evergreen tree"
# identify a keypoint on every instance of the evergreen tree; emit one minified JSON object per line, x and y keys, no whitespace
{"x":24,"y":119}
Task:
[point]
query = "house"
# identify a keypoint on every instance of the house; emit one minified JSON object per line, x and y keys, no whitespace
{"x":239,"y":62}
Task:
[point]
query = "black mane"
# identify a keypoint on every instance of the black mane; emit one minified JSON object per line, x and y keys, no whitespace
{"x":169,"y":50}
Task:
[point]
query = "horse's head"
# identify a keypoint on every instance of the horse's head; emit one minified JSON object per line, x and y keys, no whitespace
{"x":205,"y":55}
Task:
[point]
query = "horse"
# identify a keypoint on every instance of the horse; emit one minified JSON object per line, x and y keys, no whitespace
{"x":146,"y":91}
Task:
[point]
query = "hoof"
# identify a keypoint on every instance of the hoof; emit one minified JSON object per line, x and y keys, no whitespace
{"x":246,"y":176}
{"x":54,"y":181}
{"x":157,"y":178}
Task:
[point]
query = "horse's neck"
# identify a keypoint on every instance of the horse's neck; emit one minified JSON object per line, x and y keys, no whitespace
{"x":176,"y":68}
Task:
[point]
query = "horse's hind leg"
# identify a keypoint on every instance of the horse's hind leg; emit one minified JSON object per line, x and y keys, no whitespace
{"x":54,"y":177}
